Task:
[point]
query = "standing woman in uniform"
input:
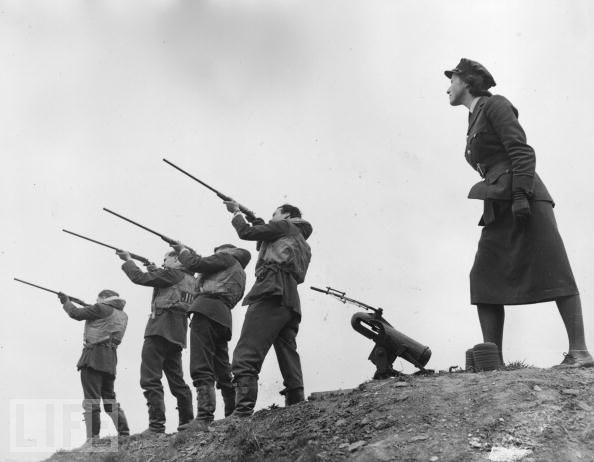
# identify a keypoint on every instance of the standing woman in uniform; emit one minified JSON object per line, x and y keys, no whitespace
{"x":520,"y":258}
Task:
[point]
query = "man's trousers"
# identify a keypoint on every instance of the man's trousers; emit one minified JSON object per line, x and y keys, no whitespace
{"x":99,"y":386}
{"x":209,"y":362}
{"x":162,"y":356}
{"x":268,"y":324}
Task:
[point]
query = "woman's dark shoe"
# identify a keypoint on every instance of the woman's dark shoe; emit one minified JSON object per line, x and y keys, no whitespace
{"x":576,"y":359}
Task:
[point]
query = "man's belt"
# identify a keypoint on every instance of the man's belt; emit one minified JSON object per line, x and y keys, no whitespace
{"x":106,"y":342}
{"x":176,"y":309}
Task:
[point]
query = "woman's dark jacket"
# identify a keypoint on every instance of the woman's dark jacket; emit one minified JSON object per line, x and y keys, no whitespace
{"x":496,"y":148}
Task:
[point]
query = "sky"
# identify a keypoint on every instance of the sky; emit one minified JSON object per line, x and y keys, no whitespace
{"x":338,"y":107}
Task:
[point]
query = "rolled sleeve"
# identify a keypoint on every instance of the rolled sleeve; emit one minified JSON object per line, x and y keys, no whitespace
{"x":163,"y":277}
{"x":205,"y":265}
{"x":88,"y":313}
{"x":266,"y":233}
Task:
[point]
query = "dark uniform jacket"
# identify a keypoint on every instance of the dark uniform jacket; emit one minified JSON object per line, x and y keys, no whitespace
{"x":101,"y":357}
{"x":217,"y":307}
{"x":171,"y":324}
{"x":496,"y":148}
{"x":272,"y":282}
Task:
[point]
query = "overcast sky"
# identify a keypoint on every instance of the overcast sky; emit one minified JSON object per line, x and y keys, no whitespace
{"x":338,"y":107}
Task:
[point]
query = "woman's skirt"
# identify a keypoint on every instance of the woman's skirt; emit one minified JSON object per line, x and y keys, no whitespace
{"x":521,"y":263}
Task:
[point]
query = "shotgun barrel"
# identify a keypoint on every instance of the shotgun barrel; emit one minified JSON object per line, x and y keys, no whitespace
{"x":251,"y":216}
{"x":74,"y":299}
{"x":140,"y":258}
{"x":162,"y":236}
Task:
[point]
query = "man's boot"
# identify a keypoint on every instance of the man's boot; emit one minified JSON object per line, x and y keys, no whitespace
{"x":156,"y":415}
{"x":246,"y":393}
{"x":207,"y":403}
{"x":293,"y":396}
{"x":185,"y":413}
{"x":93,"y":426}
{"x":119,"y":420}
{"x":229,"y":400}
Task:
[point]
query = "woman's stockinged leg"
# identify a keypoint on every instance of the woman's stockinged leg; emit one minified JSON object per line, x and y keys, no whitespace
{"x":570,"y":309}
{"x":492,"y":319}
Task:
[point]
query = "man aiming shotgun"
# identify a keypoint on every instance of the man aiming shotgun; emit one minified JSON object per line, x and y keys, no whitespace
{"x":174,"y":289}
{"x":222,"y":284}
{"x":165,"y":334}
{"x":105,"y":325}
{"x":274,"y":312}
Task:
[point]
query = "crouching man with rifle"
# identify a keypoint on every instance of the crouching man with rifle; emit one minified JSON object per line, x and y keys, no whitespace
{"x":105,"y":325}
{"x":274,"y":312}
{"x":164,"y":337}
{"x":222,"y":285}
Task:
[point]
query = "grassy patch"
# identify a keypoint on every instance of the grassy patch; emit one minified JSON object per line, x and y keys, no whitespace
{"x":248,"y":439}
{"x":514,"y":365}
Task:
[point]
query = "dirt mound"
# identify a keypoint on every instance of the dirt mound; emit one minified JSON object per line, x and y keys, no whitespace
{"x":527,"y":414}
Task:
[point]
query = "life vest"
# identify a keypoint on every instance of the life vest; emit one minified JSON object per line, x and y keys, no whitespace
{"x":289,"y":253}
{"x":228,"y":284}
{"x":111,"y":328}
{"x":178,"y":296}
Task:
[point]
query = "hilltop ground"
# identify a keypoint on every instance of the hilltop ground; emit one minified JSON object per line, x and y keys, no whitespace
{"x":526,"y":414}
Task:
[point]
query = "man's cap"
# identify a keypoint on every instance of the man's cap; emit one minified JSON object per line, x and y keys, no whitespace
{"x":469,"y":67}
{"x":224,"y":246}
{"x":108,"y":293}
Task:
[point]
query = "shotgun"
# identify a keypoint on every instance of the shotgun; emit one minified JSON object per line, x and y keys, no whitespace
{"x":169,"y":240}
{"x":143,"y":260}
{"x":72,"y":299}
{"x":251,"y":216}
